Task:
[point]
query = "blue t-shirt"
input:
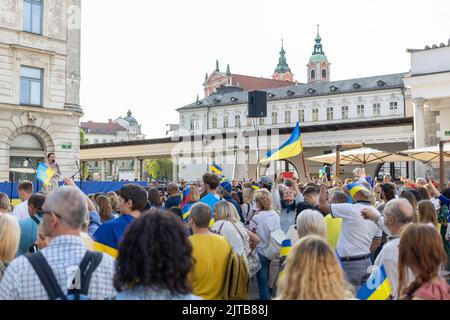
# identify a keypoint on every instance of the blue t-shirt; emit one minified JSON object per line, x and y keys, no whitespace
{"x":211,"y":199}
{"x":111,"y":233}
{"x":29,"y":231}
{"x":173,"y":201}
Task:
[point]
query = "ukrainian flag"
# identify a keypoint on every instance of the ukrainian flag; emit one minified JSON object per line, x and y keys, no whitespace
{"x":377,"y":287}
{"x":44,"y":173}
{"x":106,"y":249}
{"x":256,"y":186}
{"x":216,"y":169}
{"x":354,"y":188}
{"x":185,"y":204}
{"x":286,"y":248}
{"x":291,"y":148}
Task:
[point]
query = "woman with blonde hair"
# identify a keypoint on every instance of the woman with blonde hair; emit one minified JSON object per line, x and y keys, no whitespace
{"x":263,"y":223}
{"x":228,"y":225}
{"x":248,"y":196}
{"x":114,"y":201}
{"x":9,"y":240}
{"x":313,"y":273}
{"x":422,"y":251}
{"x":5,"y":203}
{"x":427,"y":213}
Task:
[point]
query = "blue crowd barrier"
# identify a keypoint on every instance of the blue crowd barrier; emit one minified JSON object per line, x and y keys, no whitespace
{"x":88,"y":187}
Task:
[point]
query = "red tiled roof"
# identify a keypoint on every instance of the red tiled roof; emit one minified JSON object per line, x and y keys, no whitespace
{"x":102,"y":127}
{"x":249,"y":83}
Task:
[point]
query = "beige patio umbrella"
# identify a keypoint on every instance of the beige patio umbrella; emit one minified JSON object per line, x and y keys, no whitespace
{"x":362,"y":156}
{"x":429,"y":154}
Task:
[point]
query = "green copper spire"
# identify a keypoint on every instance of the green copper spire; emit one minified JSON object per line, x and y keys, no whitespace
{"x":318,"y":55}
{"x":217,"y":65}
{"x":228,"y":70}
{"x":282,"y":67}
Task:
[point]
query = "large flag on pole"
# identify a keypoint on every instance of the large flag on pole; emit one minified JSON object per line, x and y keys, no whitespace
{"x":291,"y":148}
{"x":44,"y":173}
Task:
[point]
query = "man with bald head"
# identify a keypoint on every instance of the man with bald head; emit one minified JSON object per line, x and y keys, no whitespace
{"x":398,"y":213}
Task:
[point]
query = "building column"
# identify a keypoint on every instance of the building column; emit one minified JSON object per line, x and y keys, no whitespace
{"x":136,"y":168}
{"x":141,"y":169}
{"x":175,"y":168}
{"x":102,"y":170}
{"x":83,"y":170}
{"x":419,"y":133}
{"x":411,"y":174}
{"x":111,"y":169}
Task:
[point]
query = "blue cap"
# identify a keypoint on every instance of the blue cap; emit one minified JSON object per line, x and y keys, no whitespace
{"x":226,"y":185}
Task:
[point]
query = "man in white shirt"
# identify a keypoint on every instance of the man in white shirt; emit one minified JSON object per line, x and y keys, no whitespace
{"x":358,"y":237}
{"x":25,"y":190}
{"x":398,"y":213}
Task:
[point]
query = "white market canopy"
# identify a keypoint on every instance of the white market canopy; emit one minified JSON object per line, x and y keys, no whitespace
{"x":362,"y":156}
{"x":428,"y":154}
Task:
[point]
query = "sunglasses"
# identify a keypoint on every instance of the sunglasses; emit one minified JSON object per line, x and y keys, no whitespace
{"x":51,"y":212}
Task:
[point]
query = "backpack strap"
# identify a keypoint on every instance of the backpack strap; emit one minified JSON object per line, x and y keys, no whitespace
{"x":88,"y":265}
{"x":46,"y":276}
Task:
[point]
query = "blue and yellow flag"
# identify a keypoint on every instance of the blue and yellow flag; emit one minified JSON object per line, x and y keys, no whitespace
{"x":217,"y":169}
{"x":256,"y":186}
{"x":377,"y":287}
{"x":44,"y":173}
{"x":291,"y":148}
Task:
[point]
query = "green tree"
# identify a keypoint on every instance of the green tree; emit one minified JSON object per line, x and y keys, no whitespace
{"x":159,"y":168}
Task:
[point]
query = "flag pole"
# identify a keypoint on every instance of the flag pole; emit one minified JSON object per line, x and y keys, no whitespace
{"x":304,"y":166}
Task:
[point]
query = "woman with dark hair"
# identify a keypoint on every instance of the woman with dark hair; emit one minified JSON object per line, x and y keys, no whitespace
{"x":408,"y":195}
{"x":421,"y":250}
{"x":154,"y":198}
{"x":104,"y":208}
{"x":423,"y":193}
{"x":154,"y":260}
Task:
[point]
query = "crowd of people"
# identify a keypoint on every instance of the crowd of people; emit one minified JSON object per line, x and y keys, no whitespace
{"x":320,"y":240}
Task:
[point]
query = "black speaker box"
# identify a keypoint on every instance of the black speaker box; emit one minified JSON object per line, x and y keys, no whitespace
{"x":257,"y":104}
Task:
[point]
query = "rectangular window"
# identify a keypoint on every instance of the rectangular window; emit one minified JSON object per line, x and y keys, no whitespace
{"x":376,"y":110}
{"x":31,"y":86}
{"x":214,"y":123}
{"x":330,"y":113}
{"x":360,"y":110}
{"x":225,"y":122}
{"x":96,"y":141}
{"x":192,"y":124}
{"x":301,"y":116}
{"x":344,"y":112}
{"x":393,"y":107}
{"x":104,"y":141}
{"x":315,"y":115}
{"x":262,"y":121}
{"x":274,"y":118}
{"x":287,"y":117}
{"x":32,"y":16}
{"x":249,"y":122}
{"x":237,"y":121}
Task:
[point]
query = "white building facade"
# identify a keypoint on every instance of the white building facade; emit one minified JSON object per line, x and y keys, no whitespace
{"x":371,"y":110}
{"x":39,"y":85}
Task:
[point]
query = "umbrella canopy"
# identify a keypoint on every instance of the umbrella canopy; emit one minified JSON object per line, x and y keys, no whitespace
{"x":429,"y":154}
{"x":362,"y":156}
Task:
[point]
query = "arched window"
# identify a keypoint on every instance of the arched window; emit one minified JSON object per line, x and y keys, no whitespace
{"x":313,"y":74}
{"x":324,"y":74}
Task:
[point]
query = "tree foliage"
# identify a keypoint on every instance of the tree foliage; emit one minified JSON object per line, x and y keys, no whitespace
{"x":159,"y":168}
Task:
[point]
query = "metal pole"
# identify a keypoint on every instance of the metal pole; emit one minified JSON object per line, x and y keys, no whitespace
{"x":338,"y":162}
{"x":441,"y":164}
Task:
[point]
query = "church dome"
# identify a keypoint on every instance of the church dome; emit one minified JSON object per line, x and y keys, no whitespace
{"x":130,"y":119}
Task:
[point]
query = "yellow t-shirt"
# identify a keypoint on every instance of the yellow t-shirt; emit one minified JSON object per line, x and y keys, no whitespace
{"x":211,"y":253}
{"x":333,"y":230}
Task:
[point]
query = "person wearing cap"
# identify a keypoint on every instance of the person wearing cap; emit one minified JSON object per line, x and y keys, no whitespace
{"x":132,"y":202}
{"x":225,"y":189}
{"x":266,"y":183}
{"x":358,"y":237}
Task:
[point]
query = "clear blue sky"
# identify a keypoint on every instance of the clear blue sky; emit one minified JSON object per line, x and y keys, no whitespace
{"x":152,"y":56}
